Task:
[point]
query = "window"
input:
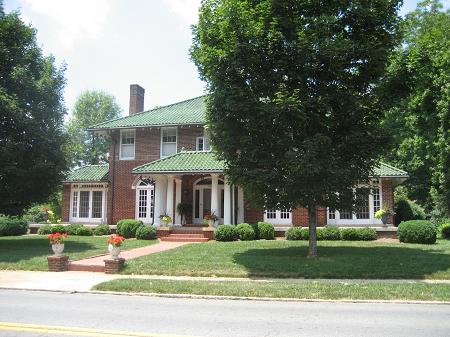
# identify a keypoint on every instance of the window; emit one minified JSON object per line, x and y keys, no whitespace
{"x":282,"y":216}
{"x":83,"y":212}
{"x":271,"y":214}
{"x":331,"y":214}
{"x":127,"y":140}
{"x":363,"y":211}
{"x":87,"y":204}
{"x":376,"y":200}
{"x":97,"y":200}
{"x":347,"y":215}
{"x":142,"y":211}
{"x":75,"y":204}
{"x":145,"y":199}
{"x":203,"y":143}
{"x":168,"y":141}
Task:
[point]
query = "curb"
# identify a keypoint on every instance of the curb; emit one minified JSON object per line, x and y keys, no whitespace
{"x":230,"y":298}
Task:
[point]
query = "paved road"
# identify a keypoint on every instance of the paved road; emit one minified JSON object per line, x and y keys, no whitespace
{"x":215,"y":318}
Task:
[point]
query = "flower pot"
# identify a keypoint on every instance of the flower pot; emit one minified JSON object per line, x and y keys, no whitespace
{"x":114,"y":251}
{"x":58,"y":248}
{"x":164,"y":223}
{"x":211,"y":223}
{"x":384,"y":219}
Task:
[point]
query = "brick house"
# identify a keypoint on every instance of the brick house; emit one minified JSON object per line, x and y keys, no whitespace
{"x":161,"y":157}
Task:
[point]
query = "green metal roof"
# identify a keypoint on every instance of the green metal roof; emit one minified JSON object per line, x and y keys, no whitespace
{"x":90,"y":173}
{"x":185,"y":161}
{"x":385,"y":170}
{"x":191,"y":111}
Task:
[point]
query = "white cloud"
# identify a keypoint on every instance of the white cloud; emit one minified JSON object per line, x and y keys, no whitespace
{"x":73,"y":19}
{"x":187,"y":10}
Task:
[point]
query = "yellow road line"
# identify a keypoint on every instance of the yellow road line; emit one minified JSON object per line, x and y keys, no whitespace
{"x":75,"y":331}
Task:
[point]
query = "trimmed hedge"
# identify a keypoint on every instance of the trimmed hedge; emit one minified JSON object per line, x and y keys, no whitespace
{"x":445,"y":230}
{"x":255,"y":228}
{"x":294,"y":234}
{"x":266,"y":231}
{"x":305,"y":233}
{"x":72,"y":228}
{"x":246,"y":232}
{"x":349,"y":234}
{"x":59,"y":229}
{"x":146,"y":233}
{"x":331,"y":233}
{"x":12,"y":226}
{"x":45,"y":230}
{"x":368,"y":234}
{"x":102,"y":230}
{"x":84,"y":231}
{"x":226,"y":233}
{"x":128,"y":227}
{"x":417,"y":231}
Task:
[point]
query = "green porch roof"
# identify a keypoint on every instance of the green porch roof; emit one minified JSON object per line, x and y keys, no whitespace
{"x":184,"y":162}
{"x":385,"y":170}
{"x":191,"y":111}
{"x":90,"y":173}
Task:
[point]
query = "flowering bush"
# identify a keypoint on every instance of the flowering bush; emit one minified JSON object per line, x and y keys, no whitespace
{"x":383,"y":211}
{"x":116,"y":240}
{"x":57,"y":238}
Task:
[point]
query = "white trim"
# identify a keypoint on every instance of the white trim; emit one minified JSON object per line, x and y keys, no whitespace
{"x":148,"y":219}
{"x":278,"y":220}
{"x":134,"y":144}
{"x":161,"y":141}
{"x":88,"y":188}
{"x":201,"y":189}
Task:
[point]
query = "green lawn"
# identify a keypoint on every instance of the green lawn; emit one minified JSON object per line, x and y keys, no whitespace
{"x":302,"y":290}
{"x":287,"y":259}
{"x":29,"y":252}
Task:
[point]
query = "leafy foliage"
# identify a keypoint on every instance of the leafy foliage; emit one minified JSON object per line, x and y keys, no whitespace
{"x":246,"y":232}
{"x":146,"y":233}
{"x":292,"y":85}
{"x":128,"y":227}
{"x":266,"y":231}
{"x":445,"y":230}
{"x":331,"y":233}
{"x":418,"y":90}
{"x":226,"y":233}
{"x":31,"y":118}
{"x":12,"y":226}
{"x":294,"y":233}
{"x":91,"y":107}
{"x":417,"y":231}
{"x":44,"y":230}
{"x":72,"y":228}
{"x":59,"y":229}
{"x":102,"y":230}
{"x":84,"y":231}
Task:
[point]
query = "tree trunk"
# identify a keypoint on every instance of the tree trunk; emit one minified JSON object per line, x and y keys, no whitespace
{"x":312,"y":232}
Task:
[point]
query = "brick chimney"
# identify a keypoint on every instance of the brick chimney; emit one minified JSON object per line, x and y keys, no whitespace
{"x":136,"y":98}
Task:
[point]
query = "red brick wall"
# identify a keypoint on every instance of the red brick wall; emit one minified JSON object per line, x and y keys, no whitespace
{"x":187,"y":137}
{"x":387,"y":197}
{"x":65,"y":204}
{"x":253,"y":215}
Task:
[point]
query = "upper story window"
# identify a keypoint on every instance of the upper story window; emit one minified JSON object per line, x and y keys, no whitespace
{"x":203,"y":143}
{"x":168,"y":141}
{"x":127,"y":140}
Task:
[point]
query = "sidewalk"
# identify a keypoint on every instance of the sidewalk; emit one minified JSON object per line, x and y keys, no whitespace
{"x":84,"y":281}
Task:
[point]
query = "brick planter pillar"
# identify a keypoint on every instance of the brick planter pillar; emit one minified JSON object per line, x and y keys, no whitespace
{"x":113,"y":266}
{"x":58,"y":263}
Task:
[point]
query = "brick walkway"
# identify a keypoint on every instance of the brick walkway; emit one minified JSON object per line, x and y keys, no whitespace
{"x":97,"y":263}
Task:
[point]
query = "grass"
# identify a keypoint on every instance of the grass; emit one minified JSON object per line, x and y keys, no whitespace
{"x":29,"y":252}
{"x":300,"y":290}
{"x":287,"y":259}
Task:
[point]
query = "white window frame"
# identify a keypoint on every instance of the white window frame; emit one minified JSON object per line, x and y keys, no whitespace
{"x":134,"y":144}
{"x":161,"y":141}
{"x":278,"y":220}
{"x":205,"y":140}
{"x":149,"y":219}
{"x":88,"y":188}
{"x":354,"y":220}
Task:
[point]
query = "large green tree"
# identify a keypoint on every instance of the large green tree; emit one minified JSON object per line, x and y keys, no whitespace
{"x":31,"y":118}
{"x":293,"y":108}
{"x":91,"y":107}
{"x":418,"y":88}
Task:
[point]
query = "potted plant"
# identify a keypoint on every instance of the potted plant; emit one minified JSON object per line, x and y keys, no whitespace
{"x":184,"y":209}
{"x":165,"y":219}
{"x":210,"y":219}
{"x":114,"y":243}
{"x":57,"y":242}
{"x":383,"y":214}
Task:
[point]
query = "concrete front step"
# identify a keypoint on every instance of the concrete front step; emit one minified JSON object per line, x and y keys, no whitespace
{"x":187,"y":235}
{"x":171,"y":238}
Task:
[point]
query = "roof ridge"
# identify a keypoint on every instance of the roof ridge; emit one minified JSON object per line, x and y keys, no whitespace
{"x":90,"y":165}
{"x":142,"y":112}
{"x":393,"y":167}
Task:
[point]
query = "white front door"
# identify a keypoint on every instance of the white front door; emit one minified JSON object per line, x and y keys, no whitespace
{"x":202,"y":203}
{"x":145,"y":199}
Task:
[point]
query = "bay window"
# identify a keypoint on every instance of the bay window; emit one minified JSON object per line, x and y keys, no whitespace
{"x":88,"y":203}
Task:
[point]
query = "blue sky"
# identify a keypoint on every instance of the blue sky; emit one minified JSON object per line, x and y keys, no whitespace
{"x":109,"y":44}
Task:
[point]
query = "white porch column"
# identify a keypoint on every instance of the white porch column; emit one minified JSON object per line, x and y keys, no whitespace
{"x":160,"y":198}
{"x":214,"y":193}
{"x":240,"y":214}
{"x":227,"y":202}
{"x":177,"y":200}
{"x":169,"y":198}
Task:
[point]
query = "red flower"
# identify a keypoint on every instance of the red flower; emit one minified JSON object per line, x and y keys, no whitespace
{"x":115,"y":240}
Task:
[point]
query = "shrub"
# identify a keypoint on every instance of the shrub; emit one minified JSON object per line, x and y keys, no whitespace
{"x":58,"y":229}
{"x":331,"y":233}
{"x":294,"y":233}
{"x":12,"y":226}
{"x":266,"y":231}
{"x":350,"y":234}
{"x":102,"y":230}
{"x":445,"y":230}
{"x":45,"y":230}
{"x":84,"y":231}
{"x":226,"y":233}
{"x":72,"y":228}
{"x":255,"y":228}
{"x":305,"y":233}
{"x":146,"y":233}
{"x":246,"y":232}
{"x":319,"y":234}
{"x":127,"y":227}
{"x":367,"y":234}
{"x":417,"y":231}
